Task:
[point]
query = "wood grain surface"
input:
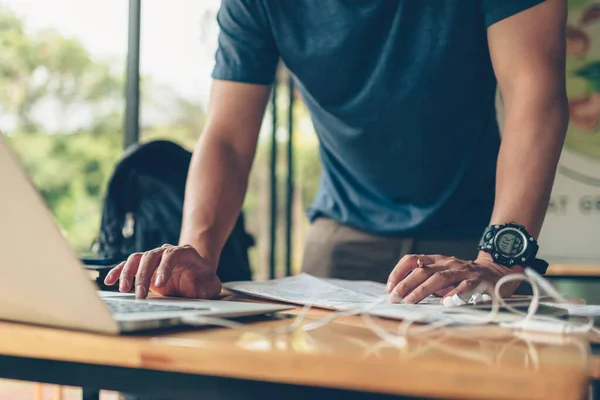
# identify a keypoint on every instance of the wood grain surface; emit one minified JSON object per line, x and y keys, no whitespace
{"x":473,"y":363}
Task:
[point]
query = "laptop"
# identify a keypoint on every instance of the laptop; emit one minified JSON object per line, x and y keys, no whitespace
{"x":43,"y":282}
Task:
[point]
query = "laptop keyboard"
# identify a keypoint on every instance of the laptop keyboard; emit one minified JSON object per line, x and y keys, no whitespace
{"x":132,"y":306}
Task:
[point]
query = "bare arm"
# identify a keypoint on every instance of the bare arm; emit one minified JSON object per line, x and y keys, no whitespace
{"x":217,"y":180}
{"x":220,"y":166}
{"x":528,"y":54}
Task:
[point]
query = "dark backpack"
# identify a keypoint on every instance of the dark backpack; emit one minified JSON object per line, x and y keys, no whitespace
{"x":143,"y":208}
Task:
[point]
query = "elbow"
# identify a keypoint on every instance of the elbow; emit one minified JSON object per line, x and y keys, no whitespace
{"x":539,"y":115}
{"x":562,"y":109}
{"x":551,"y":95}
{"x":539,"y":97}
{"x":543,"y":105}
{"x":555,"y":113}
{"x":237,"y":156}
{"x":557,"y":108}
{"x":563,"y":115}
{"x":557,"y":117}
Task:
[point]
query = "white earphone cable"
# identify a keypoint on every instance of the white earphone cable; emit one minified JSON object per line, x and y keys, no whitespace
{"x":440,"y":318}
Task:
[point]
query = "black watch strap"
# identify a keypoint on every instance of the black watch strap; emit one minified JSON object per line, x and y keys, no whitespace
{"x":525,"y":255}
{"x":538,"y":265}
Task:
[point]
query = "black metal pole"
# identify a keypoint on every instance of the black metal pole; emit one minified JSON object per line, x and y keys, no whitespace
{"x":273,"y":236}
{"x":289,"y":201}
{"x":132,"y":86}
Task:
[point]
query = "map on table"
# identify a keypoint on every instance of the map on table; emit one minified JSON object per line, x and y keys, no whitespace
{"x":335,"y":294}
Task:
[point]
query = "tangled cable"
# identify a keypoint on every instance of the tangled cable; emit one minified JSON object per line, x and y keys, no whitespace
{"x":437,"y":318}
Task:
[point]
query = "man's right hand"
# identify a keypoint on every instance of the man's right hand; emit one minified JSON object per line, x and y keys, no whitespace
{"x":168,"y":271}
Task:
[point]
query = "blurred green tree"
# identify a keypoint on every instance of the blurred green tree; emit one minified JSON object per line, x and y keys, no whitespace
{"x":49,"y":67}
{"x":71,"y":162}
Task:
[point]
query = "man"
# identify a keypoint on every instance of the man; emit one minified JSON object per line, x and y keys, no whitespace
{"x":401,"y":93}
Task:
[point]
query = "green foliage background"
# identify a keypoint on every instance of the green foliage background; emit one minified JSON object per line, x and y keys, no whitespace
{"x":71,"y":164}
{"x":583,"y":79}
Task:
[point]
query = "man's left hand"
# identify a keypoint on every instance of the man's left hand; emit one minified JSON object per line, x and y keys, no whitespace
{"x":444,"y":276}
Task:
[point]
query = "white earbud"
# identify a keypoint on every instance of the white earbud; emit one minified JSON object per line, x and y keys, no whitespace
{"x":453,"y":301}
{"x":456,"y":300}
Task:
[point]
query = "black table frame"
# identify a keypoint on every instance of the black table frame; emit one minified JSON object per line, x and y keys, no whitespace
{"x":152,"y":384}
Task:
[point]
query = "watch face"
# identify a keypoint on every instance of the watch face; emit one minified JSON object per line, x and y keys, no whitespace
{"x":510,"y":242}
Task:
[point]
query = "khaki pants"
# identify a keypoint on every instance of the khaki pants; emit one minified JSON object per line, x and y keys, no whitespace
{"x":334,"y":250}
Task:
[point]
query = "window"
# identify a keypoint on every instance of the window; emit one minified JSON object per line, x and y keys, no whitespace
{"x":178,"y":42}
{"x":178,"y":45}
{"x":306,"y":169}
{"x":62,"y":79}
{"x":61,"y":101}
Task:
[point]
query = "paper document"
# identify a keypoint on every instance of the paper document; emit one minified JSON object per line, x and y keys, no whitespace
{"x":339,"y":294}
{"x":335,"y":294}
{"x":304,"y":289}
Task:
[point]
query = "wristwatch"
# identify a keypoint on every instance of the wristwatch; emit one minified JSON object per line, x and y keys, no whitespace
{"x":510,"y":244}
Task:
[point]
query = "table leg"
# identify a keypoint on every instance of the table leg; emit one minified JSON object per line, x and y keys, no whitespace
{"x":90,"y":394}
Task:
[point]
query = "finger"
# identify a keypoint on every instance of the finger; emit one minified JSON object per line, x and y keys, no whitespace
{"x":406,"y":264}
{"x":171,"y":257}
{"x":113,"y":275}
{"x":444,"y":292}
{"x":413,"y":280}
{"x":438,"y":281}
{"x":452,"y":262}
{"x":148,"y":264}
{"x":128,"y":272}
{"x":408,"y":284}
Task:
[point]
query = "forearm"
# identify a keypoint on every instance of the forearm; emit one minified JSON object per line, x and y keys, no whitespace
{"x":533,"y":137}
{"x":216,"y":186}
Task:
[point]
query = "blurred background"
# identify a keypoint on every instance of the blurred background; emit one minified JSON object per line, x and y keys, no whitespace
{"x":62,"y":83}
{"x":62,"y":109}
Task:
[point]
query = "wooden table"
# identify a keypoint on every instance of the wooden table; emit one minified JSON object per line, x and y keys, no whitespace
{"x":341,"y":360}
{"x":574,"y":270}
{"x":584,"y":279}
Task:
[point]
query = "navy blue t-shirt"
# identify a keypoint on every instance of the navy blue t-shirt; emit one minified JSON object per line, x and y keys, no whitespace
{"x":401,"y":95}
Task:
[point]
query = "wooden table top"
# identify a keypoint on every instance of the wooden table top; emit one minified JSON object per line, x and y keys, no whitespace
{"x":474,"y":363}
{"x":573,"y":270}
